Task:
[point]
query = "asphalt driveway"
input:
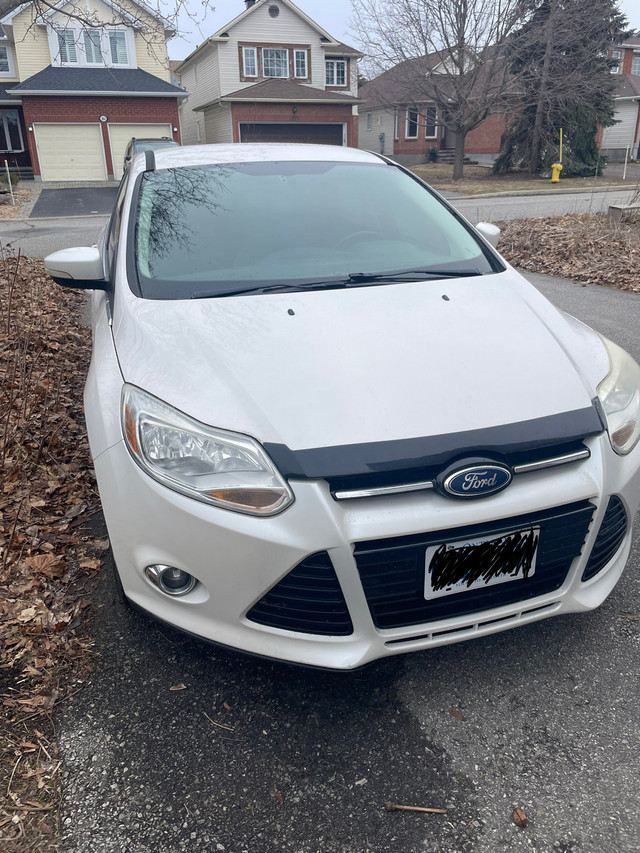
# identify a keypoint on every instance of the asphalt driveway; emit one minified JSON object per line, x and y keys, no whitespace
{"x":76,"y":201}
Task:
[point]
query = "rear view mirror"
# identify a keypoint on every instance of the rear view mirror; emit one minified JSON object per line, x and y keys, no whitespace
{"x":80,"y":267}
{"x":491,"y":233}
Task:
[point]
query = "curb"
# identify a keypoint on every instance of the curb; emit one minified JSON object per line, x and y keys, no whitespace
{"x":513,"y":193}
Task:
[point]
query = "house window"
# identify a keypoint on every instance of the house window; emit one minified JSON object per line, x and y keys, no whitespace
{"x":275,"y":62}
{"x":6,"y":61}
{"x":67,"y":46}
{"x":300,"y":61}
{"x":411,"y":129}
{"x":369,"y":121}
{"x":118,"y":47}
{"x":635,"y":66}
{"x":92,"y":46}
{"x":396,"y":124}
{"x":250,"y":61}
{"x":616,"y":56}
{"x":10,"y":131}
{"x":336,"y":72}
{"x":430,"y":119}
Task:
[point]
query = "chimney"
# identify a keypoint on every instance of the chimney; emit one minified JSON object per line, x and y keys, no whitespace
{"x":249,"y":3}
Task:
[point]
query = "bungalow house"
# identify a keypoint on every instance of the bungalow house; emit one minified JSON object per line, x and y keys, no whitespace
{"x":408,"y":127}
{"x":271,"y":75}
{"x":78,"y":81}
{"x":624,"y":136}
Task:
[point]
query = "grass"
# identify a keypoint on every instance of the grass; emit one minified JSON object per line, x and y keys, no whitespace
{"x":480,"y":179}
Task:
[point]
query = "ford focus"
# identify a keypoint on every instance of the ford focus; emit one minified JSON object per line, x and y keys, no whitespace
{"x":330,"y":423}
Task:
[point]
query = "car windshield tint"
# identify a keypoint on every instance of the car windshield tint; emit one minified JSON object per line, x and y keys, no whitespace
{"x":154,"y":144}
{"x":208,"y":228}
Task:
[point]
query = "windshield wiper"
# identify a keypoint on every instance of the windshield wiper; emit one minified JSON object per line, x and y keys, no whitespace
{"x":272,"y":288}
{"x":409,"y":275}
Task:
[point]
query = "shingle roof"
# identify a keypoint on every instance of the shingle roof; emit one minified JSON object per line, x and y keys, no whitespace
{"x":342,"y":50}
{"x":628,"y":86}
{"x":4,"y":96}
{"x":77,"y":81}
{"x":285,"y":90}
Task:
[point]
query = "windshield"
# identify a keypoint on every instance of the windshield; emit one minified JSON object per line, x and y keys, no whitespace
{"x":207,"y":229}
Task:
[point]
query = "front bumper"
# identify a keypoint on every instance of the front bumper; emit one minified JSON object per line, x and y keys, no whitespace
{"x":237,"y":559}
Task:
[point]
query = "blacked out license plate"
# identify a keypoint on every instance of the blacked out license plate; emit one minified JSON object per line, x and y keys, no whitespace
{"x":458,"y":567}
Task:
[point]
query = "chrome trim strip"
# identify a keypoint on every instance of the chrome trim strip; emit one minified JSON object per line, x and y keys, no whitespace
{"x":429,"y":484}
{"x":551,"y":463}
{"x":383,"y":490}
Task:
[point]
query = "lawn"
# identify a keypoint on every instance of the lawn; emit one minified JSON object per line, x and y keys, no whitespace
{"x":480,"y":179}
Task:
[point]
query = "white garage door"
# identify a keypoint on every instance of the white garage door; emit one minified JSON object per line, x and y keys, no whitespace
{"x":70,"y":152}
{"x":120,"y":134}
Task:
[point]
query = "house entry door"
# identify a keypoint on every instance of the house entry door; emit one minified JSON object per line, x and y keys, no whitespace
{"x":449,"y":133}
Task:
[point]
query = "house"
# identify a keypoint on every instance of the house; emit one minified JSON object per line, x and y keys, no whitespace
{"x":623,"y":137}
{"x":393,"y":122}
{"x":271,"y":75}
{"x":78,"y":81}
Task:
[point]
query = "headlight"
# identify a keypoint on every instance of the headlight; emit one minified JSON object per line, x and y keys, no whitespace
{"x":211,"y":465}
{"x":619,"y":394}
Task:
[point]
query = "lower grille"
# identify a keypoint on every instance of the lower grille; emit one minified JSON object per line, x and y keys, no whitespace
{"x":612,"y":531}
{"x":392,"y":571}
{"x":308,"y":599}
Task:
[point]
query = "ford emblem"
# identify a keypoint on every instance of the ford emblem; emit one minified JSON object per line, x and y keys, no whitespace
{"x":477,"y":481}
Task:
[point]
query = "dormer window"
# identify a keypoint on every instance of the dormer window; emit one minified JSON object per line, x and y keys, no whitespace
{"x":107,"y":46}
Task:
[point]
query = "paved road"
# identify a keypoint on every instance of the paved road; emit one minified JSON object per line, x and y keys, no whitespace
{"x":259,"y":757}
{"x":37,"y":238}
{"x":496,"y":208}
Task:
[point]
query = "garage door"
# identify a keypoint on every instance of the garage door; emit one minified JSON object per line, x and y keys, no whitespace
{"x":120,"y":134}
{"x":70,"y":152}
{"x":325,"y":134}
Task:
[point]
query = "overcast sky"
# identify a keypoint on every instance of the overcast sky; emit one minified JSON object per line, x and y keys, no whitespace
{"x":332,"y":15}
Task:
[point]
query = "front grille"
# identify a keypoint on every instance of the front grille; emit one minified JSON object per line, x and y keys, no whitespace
{"x":308,"y":599}
{"x":392,"y":571}
{"x":429,"y":471}
{"x":612,"y":531}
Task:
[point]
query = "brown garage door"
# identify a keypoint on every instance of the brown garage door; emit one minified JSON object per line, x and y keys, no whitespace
{"x":325,"y":134}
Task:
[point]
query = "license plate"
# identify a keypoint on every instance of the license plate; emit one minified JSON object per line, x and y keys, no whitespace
{"x":454,"y":567}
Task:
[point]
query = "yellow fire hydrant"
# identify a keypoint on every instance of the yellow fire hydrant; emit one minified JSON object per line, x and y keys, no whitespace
{"x":556,"y":168}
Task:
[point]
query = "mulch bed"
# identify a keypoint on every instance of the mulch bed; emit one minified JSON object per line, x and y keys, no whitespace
{"x":586,"y":248}
{"x":47,"y":552}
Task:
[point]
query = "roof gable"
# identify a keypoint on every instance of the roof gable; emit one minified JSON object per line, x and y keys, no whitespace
{"x":83,"y":10}
{"x":252,"y":9}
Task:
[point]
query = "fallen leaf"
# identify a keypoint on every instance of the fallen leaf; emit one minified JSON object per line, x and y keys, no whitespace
{"x":90,"y":564}
{"x":455,"y":713}
{"x":178,"y":687}
{"x":46,"y":564}
{"x":519,"y":818}
{"x":279,"y":798}
{"x":227,"y":706}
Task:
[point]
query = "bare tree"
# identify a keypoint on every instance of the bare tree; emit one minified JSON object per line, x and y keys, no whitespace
{"x":444,"y":52}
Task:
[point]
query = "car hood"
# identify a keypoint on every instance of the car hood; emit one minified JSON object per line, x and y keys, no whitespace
{"x":366,"y":364}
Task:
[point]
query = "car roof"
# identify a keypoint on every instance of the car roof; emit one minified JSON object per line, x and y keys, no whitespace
{"x":243,"y":152}
{"x":153,"y":139}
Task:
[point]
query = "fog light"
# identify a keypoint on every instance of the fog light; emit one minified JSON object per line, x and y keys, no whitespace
{"x":170,"y":580}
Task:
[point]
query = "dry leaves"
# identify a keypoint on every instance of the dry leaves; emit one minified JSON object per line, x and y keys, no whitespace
{"x":585,"y":248}
{"x":47,"y":493}
{"x":519,"y":818}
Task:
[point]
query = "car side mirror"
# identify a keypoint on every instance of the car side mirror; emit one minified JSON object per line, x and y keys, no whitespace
{"x":80,"y":267}
{"x":491,"y":233}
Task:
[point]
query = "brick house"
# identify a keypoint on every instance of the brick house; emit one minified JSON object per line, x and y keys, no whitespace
{"x":73,"y":94}
{"x":394,"y":124}
{"x":270,"y":75}
{"x":624,"y":136}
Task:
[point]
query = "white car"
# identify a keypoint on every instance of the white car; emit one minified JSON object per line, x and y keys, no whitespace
{"x":330,"y":423}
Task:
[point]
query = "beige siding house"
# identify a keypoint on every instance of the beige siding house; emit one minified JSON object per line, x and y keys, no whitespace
{"x":272,"y":74}
{"x":79,"y":81}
